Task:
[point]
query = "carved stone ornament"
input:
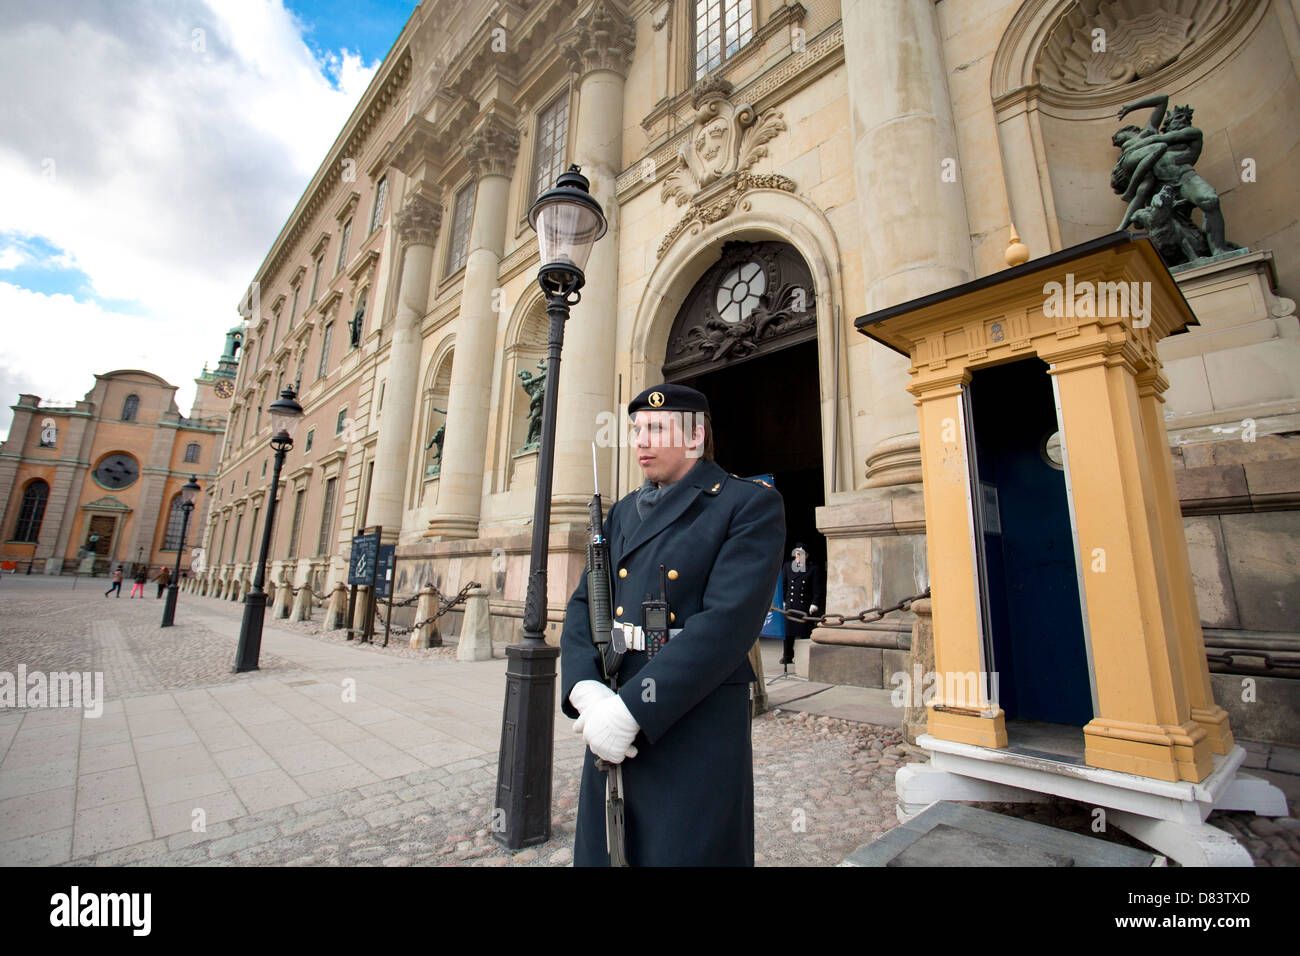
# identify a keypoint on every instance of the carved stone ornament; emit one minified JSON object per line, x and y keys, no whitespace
{"x":491,"y":149}
{"x":758,"y":296}
{"x":1104,"y":44}
{"x":418,"y":221}
{"x":602,"y":40}
{"x":726,"y":140}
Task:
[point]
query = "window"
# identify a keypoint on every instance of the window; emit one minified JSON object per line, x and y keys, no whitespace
{"x":32,"y":511}
{"x":458,"y":247}
{"x":343,"y":247}
{"x":192,"y":451}
{"x":175,"y":517}
{"x":383,"y":386}
{"x":311,"y":433}
{"x":263,"y":467}
{"x":315,"y":279}
{"x":293,"y":309}
{"x":130,"y":408}
{"x":326,"y":518}
{"x":225,"y":529}
{"x":552,"y":131}
{"x":722,"y":27}
{"x":377,"y":213}
{"x":326,"y":336}
{"x":234,"y":542}
{"x":245,"y":479}
{"x":297,"y":522}
{"x":275,"y":327}
{"x":252,"y":533}
{"x":338,"y":425}
{"x":257,"y":420}
{"x":365,"y":498}
{"x":302,"y":360}
{"x":257,"y":363}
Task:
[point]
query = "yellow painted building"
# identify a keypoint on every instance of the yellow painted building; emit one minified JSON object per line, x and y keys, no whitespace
{"x":108,"y":467}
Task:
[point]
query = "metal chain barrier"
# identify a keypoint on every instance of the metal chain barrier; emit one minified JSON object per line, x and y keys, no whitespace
{"x":1269,"y":664}
{"x":444,"y":605}
{"x":841,"y":620}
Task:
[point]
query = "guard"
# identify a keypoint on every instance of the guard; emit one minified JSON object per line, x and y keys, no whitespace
{"x":702,"y":548}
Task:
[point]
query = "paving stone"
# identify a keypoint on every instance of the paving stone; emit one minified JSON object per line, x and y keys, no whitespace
{"x":242,"y":841}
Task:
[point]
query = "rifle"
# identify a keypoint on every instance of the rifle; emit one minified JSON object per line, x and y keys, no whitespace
{"x":611,"y":657}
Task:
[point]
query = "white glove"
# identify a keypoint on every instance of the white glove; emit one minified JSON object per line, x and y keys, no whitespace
{"x":588,"y":692}
{"x":608,"y":728}
{"x":812,"y":609}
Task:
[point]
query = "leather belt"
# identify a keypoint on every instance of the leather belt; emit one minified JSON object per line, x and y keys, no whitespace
{"x":635,"y":636}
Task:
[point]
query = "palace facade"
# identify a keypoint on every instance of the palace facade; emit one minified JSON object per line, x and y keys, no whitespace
{"x":770,"y":171}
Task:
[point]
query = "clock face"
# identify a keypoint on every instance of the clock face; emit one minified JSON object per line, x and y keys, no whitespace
{"x":117,"y":471}
{"x":224,"y":388}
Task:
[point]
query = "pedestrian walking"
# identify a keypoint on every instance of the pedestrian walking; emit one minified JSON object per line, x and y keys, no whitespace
{"x":117,"y":582}
{"x":164,"y":578}
{"x":141,"y":576}
{"x":679,"y":723}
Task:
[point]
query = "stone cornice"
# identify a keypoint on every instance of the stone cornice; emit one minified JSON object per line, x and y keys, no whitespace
{"x":417,"y":142}
{"x":384,"y":89}
{"x":346,"y":207}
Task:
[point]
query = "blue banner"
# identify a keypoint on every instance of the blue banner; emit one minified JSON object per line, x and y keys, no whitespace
{"x":774,"y":623}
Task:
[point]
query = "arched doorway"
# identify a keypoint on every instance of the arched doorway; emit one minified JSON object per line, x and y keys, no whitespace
{"x":746,"y":336}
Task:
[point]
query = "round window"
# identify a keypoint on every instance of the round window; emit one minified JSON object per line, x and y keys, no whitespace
{"x":739,"y":291}
{"x":1052,"y":452}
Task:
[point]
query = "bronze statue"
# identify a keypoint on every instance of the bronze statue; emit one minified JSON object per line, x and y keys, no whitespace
{"x":535,"y":386}
{"x":1157,"y":160}
{"x":434,"y":467}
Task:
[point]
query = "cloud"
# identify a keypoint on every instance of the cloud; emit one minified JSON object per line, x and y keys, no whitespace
{"x":160,"y":146}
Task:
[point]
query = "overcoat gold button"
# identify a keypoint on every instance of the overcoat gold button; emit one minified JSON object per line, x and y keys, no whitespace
{"x":671,"y":617}
{"x":672,"y":575}
{"x":622,"y":572}
{"x":619,"y":610}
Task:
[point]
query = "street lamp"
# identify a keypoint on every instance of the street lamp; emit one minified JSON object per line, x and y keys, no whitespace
{"x":188,"y":492}
{"x":568,"y":222}
{"x":285,"y":415}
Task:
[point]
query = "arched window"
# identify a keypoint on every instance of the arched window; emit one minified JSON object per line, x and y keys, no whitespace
{"x":130,"y":407}
{"x":32,"y":511}
{"x":172,"y":539}
{"x":192,"y":451}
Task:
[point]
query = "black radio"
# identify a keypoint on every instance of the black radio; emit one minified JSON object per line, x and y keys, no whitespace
{"x":655,"y":617}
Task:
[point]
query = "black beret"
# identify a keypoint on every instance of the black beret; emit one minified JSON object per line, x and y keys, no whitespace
{"x":669,"y":398}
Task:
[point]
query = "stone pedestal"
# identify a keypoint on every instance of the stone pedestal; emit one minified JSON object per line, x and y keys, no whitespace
{"x":426,"y":635}
{"x":283,"y":601}
{"x":301,"y":604}
{"x":475,"y":639}
{"x":336,"y":611}
{"x":920,"y":663}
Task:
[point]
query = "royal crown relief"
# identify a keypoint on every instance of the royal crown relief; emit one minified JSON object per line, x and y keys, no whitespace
{"x":725,"y":142}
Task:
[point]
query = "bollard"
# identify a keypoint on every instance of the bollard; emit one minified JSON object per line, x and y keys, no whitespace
{"x":476,"y":628}
{"x":427,"y":635}
{"x":283,"y":598}
{"x":301,"y":604}
{"x":338,"y":607}
{"x":921,"y":662}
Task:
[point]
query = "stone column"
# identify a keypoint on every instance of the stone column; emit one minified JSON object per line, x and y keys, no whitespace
{"x":417,"y":226}
{"x":475,"y":641}
{"x":599,"y":49}
{"x":917,"y":239}
{"x":491,"y":155}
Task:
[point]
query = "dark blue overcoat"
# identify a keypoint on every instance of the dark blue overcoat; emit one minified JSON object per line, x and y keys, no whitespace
{"x":690,"y":788}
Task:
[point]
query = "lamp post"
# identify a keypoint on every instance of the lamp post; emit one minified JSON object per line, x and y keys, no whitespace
{"x":285,"y":415}
{"x":188,"y":491}
{"x":568,"y":222}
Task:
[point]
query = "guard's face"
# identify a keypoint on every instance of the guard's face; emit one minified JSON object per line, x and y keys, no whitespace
{"x":663,"y":452}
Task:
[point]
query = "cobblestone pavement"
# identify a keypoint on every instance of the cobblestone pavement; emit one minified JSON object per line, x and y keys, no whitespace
{"x":284,"y":772}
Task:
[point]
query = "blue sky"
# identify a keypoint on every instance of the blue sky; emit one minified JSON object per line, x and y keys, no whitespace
{"x":367,"y":26}
{"x":153,"y":157}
